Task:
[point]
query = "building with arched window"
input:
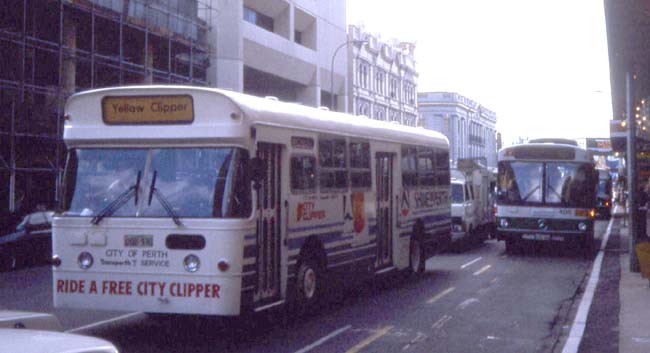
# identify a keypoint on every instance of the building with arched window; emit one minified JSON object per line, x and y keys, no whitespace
{"x":469,"y":126}
{"x":382,"y":79}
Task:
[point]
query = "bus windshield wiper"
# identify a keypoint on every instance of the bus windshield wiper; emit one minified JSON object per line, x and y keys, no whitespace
{"x":163,"y":200}
{"x":119,"y":201}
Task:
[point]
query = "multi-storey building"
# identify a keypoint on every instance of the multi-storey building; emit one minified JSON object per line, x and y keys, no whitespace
{"x":469,"y":126}
{"x":382,"y":78}
{"x":50,"y":49}
{"x":281,"y":48}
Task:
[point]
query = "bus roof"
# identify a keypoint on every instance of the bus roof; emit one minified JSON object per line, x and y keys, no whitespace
{"x":213,"y":117}
{"x":545,"y":151}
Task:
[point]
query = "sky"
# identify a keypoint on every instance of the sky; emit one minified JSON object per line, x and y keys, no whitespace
{"x":542,"y":66}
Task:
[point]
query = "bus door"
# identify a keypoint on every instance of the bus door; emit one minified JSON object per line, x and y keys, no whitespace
{"x":385,"y":221}
{"x":269,"y":227}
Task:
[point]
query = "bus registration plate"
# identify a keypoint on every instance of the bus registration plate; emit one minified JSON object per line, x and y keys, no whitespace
{"x":138,"y":240}
{"x":536,"y":236}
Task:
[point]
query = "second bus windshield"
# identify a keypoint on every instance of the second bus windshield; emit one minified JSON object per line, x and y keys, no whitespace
{"x":561,"y":183}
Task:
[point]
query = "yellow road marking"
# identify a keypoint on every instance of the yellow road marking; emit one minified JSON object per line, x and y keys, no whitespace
{"x":441,"y":294}
{"x":369,"y":340}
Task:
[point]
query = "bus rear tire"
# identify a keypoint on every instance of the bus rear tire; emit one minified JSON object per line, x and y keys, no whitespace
{"x":417,"y":261}
{"x":309,"y":285}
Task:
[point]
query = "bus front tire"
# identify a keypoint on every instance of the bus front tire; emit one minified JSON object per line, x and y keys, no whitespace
{"x":512,"y":247}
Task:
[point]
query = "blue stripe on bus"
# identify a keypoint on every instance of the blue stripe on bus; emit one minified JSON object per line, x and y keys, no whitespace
{"x":306,"y":228}
{"x":250,"y":236}
{"x":296,"y":243}
{"x":249,"y":268}
{"x":337,"y":259}
{"x":338,"y":248}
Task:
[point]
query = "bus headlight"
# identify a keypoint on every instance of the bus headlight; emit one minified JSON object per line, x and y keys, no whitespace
{"x":456,"y":228}
{"x":582,"y":226}
{"x":85,"y":260}
{"x":191,"y":263}
{"x":503,"y":222}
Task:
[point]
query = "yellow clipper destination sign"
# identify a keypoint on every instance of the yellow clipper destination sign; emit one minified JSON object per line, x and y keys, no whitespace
{"x":171,"y":109}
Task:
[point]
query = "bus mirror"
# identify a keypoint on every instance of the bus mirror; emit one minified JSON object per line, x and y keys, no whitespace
{"x":257,"y":169}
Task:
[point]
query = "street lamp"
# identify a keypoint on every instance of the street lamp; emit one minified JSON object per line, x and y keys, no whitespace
{"x":355,"y":41}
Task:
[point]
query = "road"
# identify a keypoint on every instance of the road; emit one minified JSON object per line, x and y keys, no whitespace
{"x":480,"y":300}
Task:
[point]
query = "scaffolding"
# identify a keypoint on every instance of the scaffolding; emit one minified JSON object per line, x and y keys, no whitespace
{"x":50,"y":49}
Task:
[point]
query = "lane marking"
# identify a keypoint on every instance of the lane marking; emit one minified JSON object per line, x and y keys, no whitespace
{"x":103,"y":322}
{"x":471,"y":262}
{"x":580,"y":322}
{"x":324,"y":339}
{"x":441,"y":322}
{"x":483,"y":269}
{"x":369,"y":340}
{"x":441,"y":294}
{"x":466,"y":303}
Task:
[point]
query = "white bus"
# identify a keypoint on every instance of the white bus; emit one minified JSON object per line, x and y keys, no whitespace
{"x":546,"y":192}
{"x":203,"y":201}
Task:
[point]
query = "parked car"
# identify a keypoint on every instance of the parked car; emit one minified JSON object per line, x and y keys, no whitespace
{"x":29,"y":244}
{"x":27,"y":332}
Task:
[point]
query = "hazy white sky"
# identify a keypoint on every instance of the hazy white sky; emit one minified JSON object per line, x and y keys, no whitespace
{"x":542,"y":66}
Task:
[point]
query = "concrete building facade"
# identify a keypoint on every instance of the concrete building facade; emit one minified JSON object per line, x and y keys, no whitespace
{"x":280,"y":48}
{"x":382,"y":78}
{"x":469,"y":126}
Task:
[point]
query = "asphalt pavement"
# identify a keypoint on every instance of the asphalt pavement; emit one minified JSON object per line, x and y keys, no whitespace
{"x":480,"y":300}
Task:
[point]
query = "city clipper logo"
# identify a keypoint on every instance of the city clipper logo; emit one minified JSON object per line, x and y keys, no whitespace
{"x":306,"y":211}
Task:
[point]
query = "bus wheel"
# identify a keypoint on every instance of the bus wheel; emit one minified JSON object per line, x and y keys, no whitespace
{"x":309,"y":284}
{"x":416,"y":256}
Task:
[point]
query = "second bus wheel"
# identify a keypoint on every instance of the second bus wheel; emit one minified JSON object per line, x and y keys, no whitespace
{"x":416,"y":256}
{"x":309,"y":284}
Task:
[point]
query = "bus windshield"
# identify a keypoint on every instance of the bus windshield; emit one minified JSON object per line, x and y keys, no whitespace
{"x":568,"y":184}
{"x":196,"y":182}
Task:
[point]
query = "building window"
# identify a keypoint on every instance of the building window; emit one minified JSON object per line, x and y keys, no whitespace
{"x":363,"y":107}
{"x":258,"y":19}
{"x":362,"y":74}
{"x":392,"y":89}
{"x":297,"y":37}
{"x":380,"y":82}
{"x":380,"y":112}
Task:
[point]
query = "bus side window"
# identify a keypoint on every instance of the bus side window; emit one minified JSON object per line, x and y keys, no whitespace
{"x":426,"y":162}
{"x":443,"y":177}
{"x":333,"y":163}
{"x":360,"y":176}
{"x":303,"y":174}
{"x":409,"y":166}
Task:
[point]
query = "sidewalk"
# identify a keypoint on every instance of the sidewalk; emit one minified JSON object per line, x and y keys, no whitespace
{"x":619,"y":314}
{"x":634,"y":315}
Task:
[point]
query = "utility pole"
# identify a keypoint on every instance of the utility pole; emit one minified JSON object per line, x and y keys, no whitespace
{"x":632,"y":183}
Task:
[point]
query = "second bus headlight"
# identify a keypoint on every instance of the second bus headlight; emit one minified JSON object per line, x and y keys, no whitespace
{"x":582,"y":226}
{"x":503,"y":222}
